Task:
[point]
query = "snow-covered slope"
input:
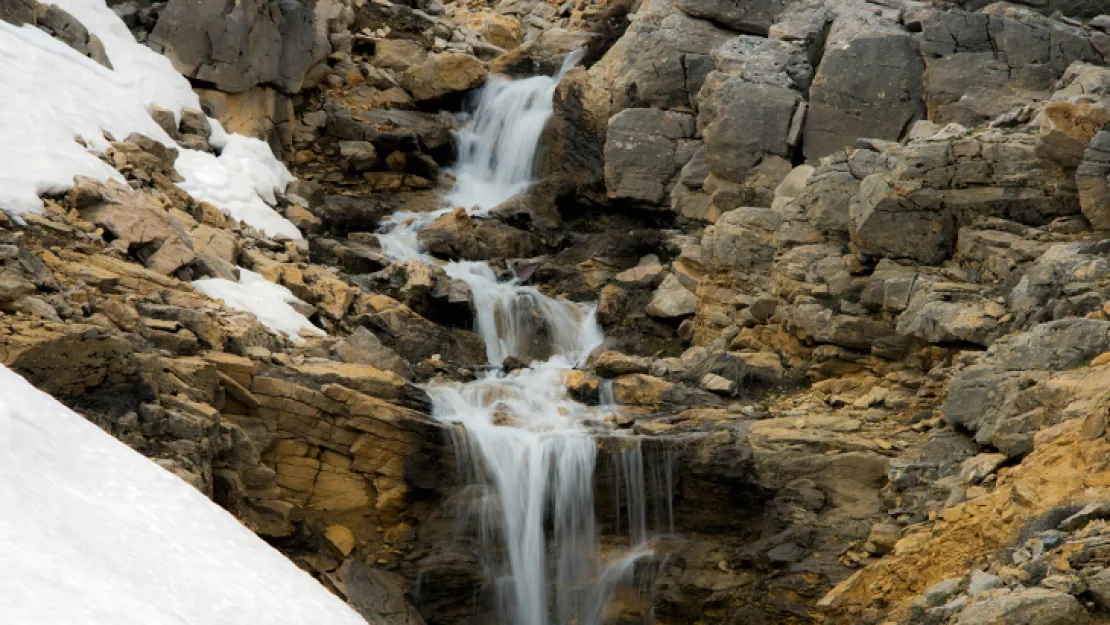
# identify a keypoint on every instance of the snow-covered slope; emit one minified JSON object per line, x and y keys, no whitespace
{"x":92,"y":533}
{"x":52,"y":94}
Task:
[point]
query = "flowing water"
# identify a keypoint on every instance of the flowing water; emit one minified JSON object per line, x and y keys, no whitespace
{"x":528,"y":447}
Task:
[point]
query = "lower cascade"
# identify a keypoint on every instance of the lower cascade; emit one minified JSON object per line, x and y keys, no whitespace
{"x":530,"y":450}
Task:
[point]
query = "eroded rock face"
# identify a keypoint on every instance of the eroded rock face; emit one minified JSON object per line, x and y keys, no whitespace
{"x":837,"y":116}
{"x":639,"y":166}
{"x":238,"y":47}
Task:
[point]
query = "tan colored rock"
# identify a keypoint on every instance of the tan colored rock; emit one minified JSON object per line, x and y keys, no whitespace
{"x":442,"y":74}
{"x":672,"y":299}
{"x":398,"y":54}
{"x":502,"y":31}
{"x":259,"y":112}
{"x":1068,"y":127}
{"x":640,"y":390}
{"x":341,"y":537}
{"x":65,"y":360}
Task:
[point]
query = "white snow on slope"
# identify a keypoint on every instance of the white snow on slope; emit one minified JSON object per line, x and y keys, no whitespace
{"x":52,"y":94}
{"x":92,"y":533}
{"x":265,"y":300}
{"x":240,"y":181}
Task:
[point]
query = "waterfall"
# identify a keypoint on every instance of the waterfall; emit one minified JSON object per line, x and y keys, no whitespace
{"x":529,"y":448}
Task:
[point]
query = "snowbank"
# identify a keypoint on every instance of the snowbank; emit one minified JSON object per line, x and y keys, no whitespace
{"x":265,"y":300}
{"x":92,"y":533}
{"x":240,"y":181}
{"x":52,"y":94}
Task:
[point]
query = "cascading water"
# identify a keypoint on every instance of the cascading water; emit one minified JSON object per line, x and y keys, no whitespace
{"x":528,"y":444}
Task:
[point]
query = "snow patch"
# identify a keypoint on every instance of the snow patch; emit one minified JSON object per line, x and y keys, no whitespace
{"x":52,"y":94}
{"x":241,"y":181}
{"x":268,"y":301}
{"x":96,"y":534}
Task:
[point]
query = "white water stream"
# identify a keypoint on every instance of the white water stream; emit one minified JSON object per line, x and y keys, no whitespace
{"x":527,"y":444}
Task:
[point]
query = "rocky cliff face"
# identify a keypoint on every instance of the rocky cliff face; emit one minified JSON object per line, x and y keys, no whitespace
{"x":848,"y":257}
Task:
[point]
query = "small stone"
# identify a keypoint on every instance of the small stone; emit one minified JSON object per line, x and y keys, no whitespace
{"x":360,"y":154}
{"x":883,"y":537}
{"x":672,"y":300}
{"x":717,"y":384}
{"x":939,"y":593}
{"x":341,"y":537}
{"x":975,"y":469}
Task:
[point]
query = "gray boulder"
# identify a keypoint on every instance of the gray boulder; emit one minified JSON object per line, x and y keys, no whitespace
{"x":746,"y":16}
{"x":644,"y":149}
{"x":981,"y":65}
{"x":886,"y":223}
{"x":236,"y":46}
{"x":869,"y":84}
{"x":742,"y":123}
{"x":660,"y":62}
{"x":951,"y":313}
{"x":1027,"y":606}
{"x":1004,"y":399}
{"x":1093,"y":180}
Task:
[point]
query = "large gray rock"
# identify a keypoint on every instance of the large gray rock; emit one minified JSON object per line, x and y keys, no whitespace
{"x":661,"y":61}
{"x":933,"y":186}
{"x":1067,"y":280}
{"x":1027,"y":606}
{"x":742,"y":123}
{"x":1093,"y":180}
{"x":951,"y":313}
{"x":867,"y":85}
{"x":1070,"y":8}
{"x":1006,"y":398}
{"x":388,"y":130}
{"x":237,"y":45}
{"x":886,"y":223}
{"x":751,"y":107}
{"x":58,"y":23}
{"x":644,"y":149}
{"x":746,"y":16}
{"x":981,"y":65}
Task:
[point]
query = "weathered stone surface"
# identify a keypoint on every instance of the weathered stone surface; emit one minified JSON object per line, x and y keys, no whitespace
{"x":671,"y":300}
{"x":743,"y":123}
{"x":659,"y":62}
{"x":457,"y":235}
{"x":502,"y":31}
{"x":981,"y":65}
{"x":236,"y":48}
{"x":260,"y":112}
{"x":1093,"y":180}
{"x":67,"y":360}
{"x":362,"y":347}
{"x":143,"y":229}
{"x":388,"y":129}
{"x":611,"y":364}
{"x":846,"y":103}
{"x":442,"y":74}
{"x":644,"y":149}
{"x":1028,"y":605}
{"x":1016,"y":388}
{"x":755,"y":17}
{"x":398,"y":54}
